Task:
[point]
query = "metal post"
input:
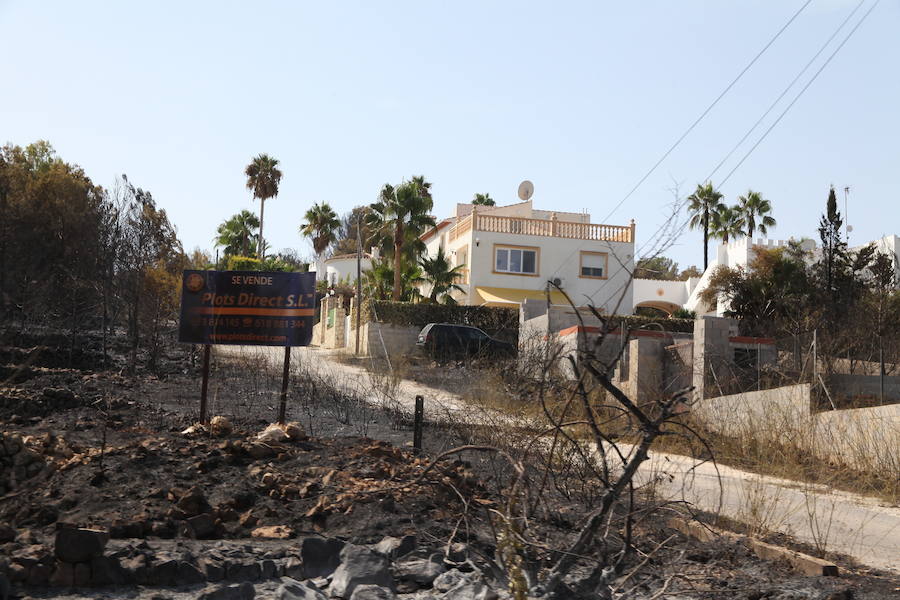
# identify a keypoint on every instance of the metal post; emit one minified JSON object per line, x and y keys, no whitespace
{"x":285,"y":376}
{"x":418,"y":417}
{"x":205,"y":385}
{"x":358,"y":279}
{"x":881,"y":361}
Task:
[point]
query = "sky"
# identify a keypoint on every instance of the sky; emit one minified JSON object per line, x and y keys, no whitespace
{"x":581,"y":98}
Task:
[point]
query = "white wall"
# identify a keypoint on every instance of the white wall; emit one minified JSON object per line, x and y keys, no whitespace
{"x":657,"y":290}
{"x":559,"y":257}
{"x":343,"y":268}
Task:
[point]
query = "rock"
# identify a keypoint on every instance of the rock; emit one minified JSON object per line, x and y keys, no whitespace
{"x":248,"y":519}
{"x":220,"y":426}
{"x":202,"y":527}
{"x":193,"y":503}
{"x":187,"y":573}
{"x":7,"y":533}
{"x":81,"y":575}
{"x":39,"y":575}
{"x":372,"y":592}
{"x":359,"y":566}
{"x":126,"y":529}
{"x":463,"y":586}
{"x":449,"y":580}
{"x":80,"y":545}
{"x":291,"y":589}
{"x":213,"y":570}
{"x":106,"y":570}
{"x":62,"y":394}
{"x":278,"y":532}
{"x":63,"y":575}
{"x":273,"y":433}
{"x":235,"y":591}
{"x":268,"y":569}
{"x":422,"y":571}
{"x":243,"y":571}
{"x":162,"y":573}
{"x":293,"y":567}
{"x":393,"y":547}
{"x":259,"y":451}
{"x":320,"y":556}
{"x":294,"y":431}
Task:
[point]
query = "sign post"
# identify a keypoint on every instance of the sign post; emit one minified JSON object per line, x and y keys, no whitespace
{"x":247,"y":308}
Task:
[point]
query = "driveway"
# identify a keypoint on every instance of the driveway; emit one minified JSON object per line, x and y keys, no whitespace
{"x":822,"y":517}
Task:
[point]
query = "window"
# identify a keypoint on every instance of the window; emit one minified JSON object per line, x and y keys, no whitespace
{"x":516,"y":260}
{"x":594,"y":265}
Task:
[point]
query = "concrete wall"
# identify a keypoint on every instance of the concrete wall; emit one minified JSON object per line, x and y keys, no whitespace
{"x":396,"y":340}
{"x":866,"y":438}
{"x":652,"y":291}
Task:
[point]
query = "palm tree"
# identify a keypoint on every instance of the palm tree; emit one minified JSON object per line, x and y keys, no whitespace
{"x":401,"y":215}
{"x":442,"y":277}
{"x":263,"y":178}
{"x":705,"y":201}
{"x":727,"y":223}
{"x":238,"y":233}
{"x":321,"y":225}
{"x":483,"y":200}
{"x":378,"y":280}
{"x":753,"y":205}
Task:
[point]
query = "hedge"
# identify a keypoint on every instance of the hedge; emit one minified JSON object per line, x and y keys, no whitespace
{"x":654,"y":323}
{"x":493,"y":320}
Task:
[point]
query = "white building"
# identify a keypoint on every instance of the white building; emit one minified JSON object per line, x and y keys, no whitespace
{"x":509,"y":253}
{"x":341,"y":267}
{"x":670,"y":295}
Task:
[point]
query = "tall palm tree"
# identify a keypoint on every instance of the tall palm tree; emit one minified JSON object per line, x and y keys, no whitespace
{"x":238,"y":233}
{"x":321,"y":225}
{"x":753,"y":205}
{"x":483,"y":200}
{"x":378,"y":280}
{"x":263,"y":179}
{"x":727,"y":223}
{"x":442,"y":277}
{"x":401,"y":215}
{"x":704,"y":202}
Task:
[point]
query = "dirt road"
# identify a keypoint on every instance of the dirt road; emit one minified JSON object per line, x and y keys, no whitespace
{"x":857,"y":526}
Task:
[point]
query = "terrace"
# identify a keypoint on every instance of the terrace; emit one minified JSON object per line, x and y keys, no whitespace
{"x":551,"y":227}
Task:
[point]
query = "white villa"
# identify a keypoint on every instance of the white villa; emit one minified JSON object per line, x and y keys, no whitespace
{"x":509,"y":253}
{"x":669,"y":296}
{"x":341,"y":267}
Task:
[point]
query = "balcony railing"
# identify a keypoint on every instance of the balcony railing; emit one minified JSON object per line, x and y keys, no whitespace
{"x":462,"y":277}
{"x":544,"y":227}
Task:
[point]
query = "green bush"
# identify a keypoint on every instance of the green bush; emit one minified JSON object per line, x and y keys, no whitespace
{"x":654,"y":323}
{"x":248,"y":263}
{"x":499,"y":322}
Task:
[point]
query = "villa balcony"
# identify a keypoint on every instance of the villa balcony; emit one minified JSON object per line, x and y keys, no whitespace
{"x":543,"y":227}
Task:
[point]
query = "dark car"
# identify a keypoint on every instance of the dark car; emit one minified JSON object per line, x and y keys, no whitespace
{"x":446,"y":341}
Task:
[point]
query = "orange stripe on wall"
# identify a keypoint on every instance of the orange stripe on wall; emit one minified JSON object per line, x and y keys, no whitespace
{"x":258,"y":312}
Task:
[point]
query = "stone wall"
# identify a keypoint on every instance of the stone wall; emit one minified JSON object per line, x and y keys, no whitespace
{"x":395,"y":340}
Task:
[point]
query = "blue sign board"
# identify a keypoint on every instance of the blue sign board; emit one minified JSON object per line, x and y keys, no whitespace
{"x":247,"y":308}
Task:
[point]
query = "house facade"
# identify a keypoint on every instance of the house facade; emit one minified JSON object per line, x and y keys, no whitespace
{"x":509,"y":254}
{"x":340,"y":268}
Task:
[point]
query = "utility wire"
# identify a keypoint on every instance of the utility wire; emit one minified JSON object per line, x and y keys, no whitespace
{"x":805,"y":87}
{"x":706,"y":112}
{"x":697,"y":121}
{"x":783,"y":113}
{"x":784,"y":93}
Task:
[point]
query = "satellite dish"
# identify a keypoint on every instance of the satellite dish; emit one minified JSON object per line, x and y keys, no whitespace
{"x":526,"y":189}
{"x":849,"y":228}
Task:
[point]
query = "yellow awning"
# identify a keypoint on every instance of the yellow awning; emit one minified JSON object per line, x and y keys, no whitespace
{"x":496,"y":296}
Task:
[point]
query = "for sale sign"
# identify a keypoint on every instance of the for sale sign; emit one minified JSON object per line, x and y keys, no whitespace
{"x":247,"y":308}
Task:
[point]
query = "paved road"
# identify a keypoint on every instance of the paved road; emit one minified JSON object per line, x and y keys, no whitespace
{"x":854,"y":525}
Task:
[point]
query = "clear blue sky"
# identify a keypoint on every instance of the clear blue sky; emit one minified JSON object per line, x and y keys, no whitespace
{"x":579,"y":97}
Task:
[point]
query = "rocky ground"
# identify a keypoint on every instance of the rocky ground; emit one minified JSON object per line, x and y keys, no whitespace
{"x":105,"y":492}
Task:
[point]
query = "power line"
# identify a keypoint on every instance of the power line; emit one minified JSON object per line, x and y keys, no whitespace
{"x":784,"y":93}
{"x":805,"y":87}
{"x":705,"y":112}
{"x":679,"y":204}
